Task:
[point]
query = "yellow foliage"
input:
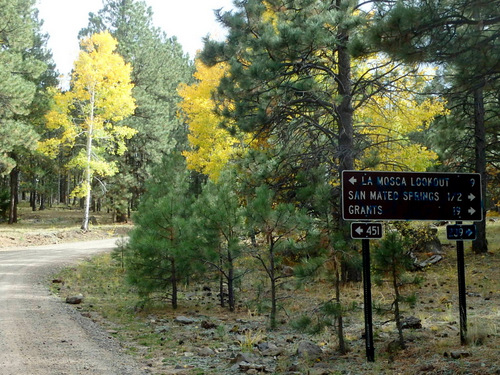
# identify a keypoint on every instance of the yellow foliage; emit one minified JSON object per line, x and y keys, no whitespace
{"x":390,"y":116}
{"x":212,"y":146}
{"x":101,"y":76}
{"x":100,"y":96}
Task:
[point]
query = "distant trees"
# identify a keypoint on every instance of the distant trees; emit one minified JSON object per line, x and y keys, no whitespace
{"x":159,"y":65}
{"x":26,"y":71}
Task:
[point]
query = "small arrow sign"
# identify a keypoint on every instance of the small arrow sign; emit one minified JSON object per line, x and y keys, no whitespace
{"x":461,"y":232}
{"x":353,"y":180}
{"x":471,"y":211}
{"x":471,"y":197}
{"x":366,"y":231}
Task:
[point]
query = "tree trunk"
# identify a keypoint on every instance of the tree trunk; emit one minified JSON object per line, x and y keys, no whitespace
{"x":273,"y":287}
{"x":345,"y":110}
{"x":345,"y":132}
{"x":174,"y":284}
{"x":221,"y":279}
{"x":230,"y":281}
{"x":340,"y":321}
{"x":43,"y":198}
{"x":397,"y":314}
{"x":480,"y":245}
{"x":14,"y":184}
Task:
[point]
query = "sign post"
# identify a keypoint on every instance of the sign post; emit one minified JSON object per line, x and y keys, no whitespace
{"x":367,"y":295}
{"x":462,"y":300}
{"x":375,"y":196}
{"x":459,"y":233}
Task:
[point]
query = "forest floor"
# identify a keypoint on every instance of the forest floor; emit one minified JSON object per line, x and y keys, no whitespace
{"x":57,"y":225}
{"x":200,"y":337}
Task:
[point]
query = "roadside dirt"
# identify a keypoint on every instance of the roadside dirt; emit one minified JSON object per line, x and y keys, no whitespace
{"x":40,"y":334}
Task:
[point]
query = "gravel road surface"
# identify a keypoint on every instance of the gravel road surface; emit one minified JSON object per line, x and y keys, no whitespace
{"x":40,"y":334}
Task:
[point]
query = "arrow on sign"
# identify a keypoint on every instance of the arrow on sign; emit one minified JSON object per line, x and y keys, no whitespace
{"x":471,"y":211}
{"x":352,"y":180}
{"x":471,"y":197}
{"x":359,"y":230}
{"x":469,"y":232}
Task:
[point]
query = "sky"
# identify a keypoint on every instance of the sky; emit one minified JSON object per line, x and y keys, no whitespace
{"x":188,"y":20}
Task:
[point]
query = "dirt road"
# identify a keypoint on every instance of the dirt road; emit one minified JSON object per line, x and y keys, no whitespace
{"x":41,"y":335}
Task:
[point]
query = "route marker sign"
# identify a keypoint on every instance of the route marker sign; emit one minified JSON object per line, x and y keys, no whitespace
{"x":461,"y":232}
{"x":411,"y":196}
{"x":367,"y":231}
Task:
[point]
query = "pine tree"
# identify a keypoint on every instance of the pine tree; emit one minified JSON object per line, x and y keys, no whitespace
{"x":221,"y":223}
{"x":279,"y":226}
{"x":391,"y":259}
{"x":163,"y":243}
{"x":327,"y":250}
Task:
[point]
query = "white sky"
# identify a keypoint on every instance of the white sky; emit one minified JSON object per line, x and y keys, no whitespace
{"x":188,"y":20}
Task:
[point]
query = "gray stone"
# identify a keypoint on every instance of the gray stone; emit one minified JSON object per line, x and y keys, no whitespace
{"x":459,"y":354}
{"x":204,"y":352}
{"x":411,"y":323}
{"x":185,"y":320}
{"x":74,"y":300}
{"x":162,"y":329}
{"x":308,"y":349}
{"x":268,"y":349}
{"x":244,"y":357}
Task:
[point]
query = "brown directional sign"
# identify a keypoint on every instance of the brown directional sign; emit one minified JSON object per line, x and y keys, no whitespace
{"x":411,"y":196}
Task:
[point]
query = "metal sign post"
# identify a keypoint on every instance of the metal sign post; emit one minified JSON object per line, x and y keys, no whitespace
{"x":460,"y":233}
{"x":462,"y":301}
{"x":367,"y":288}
